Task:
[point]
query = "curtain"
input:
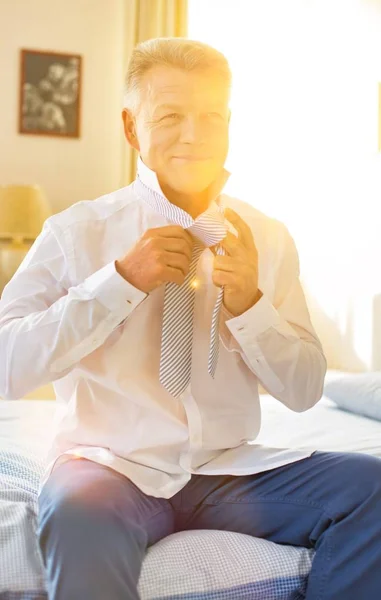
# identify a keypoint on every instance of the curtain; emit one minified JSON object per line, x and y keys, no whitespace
{"x":146,"y":19}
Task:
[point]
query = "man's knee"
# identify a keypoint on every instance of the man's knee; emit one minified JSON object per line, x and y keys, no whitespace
{"x":73,"y":508}
{"x":87,"y":509}
{"x":91,"y":541}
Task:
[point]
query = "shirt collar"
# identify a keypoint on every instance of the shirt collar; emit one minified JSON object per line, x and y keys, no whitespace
{"x":149,"y":178}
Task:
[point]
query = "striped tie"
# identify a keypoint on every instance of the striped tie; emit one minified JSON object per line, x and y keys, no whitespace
{"x":209,"y":230}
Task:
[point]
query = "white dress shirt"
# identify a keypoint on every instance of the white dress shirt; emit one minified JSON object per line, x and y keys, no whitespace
{"x":68,"y":317}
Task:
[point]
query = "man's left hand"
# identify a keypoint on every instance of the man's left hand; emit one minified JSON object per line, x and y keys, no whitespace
{"x":237,"y":272}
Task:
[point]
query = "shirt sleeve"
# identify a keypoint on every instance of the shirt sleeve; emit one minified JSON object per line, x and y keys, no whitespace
{"x":46,"y":326}
{"x":277,"y":340}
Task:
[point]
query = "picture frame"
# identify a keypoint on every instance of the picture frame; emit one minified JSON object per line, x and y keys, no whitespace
{"x":50,"y":93}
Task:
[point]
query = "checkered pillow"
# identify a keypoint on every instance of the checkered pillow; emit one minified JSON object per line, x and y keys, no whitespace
{"x":220,"y":565}
{"x":21,"y":571}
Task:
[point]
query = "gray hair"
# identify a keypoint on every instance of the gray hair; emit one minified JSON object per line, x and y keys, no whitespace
{"x":181,"y":53}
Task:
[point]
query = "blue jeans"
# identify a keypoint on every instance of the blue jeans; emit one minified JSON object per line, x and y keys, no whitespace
{"x":95,"y":525}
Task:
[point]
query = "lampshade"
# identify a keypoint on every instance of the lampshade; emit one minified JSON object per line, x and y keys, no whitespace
{"x":23,"y":210}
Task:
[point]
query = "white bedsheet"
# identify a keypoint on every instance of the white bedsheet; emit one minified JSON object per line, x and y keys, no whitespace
{"x":324,"y":427}
{"x":27,"y":424}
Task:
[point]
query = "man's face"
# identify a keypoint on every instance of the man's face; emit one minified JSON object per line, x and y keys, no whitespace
{"x":181,"y":129}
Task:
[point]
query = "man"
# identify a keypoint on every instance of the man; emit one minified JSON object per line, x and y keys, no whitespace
{"x":156,"y":310}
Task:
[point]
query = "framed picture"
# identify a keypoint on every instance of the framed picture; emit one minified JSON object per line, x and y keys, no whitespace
{"x":50,"y":93}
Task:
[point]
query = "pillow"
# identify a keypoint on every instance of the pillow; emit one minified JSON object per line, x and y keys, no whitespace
{"x":359,"y":393}
{"x":221,"y":565}
{"x":21,"y":570}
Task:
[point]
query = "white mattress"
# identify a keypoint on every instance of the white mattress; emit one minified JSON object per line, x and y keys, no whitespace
{"x":28,"y":423}
{"x":324,"y":427}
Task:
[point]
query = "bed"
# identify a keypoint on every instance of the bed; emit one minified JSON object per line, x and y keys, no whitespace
{"x":191,"y":565}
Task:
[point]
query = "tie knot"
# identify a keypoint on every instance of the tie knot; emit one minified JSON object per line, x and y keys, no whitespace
{"x":209,"y":227}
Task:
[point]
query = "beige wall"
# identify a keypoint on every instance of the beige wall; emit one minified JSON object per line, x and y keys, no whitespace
{"x":68,"y":169}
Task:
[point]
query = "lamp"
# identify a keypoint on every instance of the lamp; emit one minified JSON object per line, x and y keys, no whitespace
{"x":23,"y":210}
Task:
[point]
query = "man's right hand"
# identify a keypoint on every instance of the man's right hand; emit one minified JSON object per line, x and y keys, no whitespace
{"x":162,"y":255}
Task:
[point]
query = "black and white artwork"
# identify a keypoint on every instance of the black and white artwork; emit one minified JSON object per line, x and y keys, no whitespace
{"x":50,"y":93}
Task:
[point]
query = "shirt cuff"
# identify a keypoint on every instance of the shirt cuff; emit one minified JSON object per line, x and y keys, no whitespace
{"x":113,"y":291}
{"x":259,"y":318}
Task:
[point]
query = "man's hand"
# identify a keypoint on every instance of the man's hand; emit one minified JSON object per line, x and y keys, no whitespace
{"x":161,"y":255}
{"x":238,"y":270}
